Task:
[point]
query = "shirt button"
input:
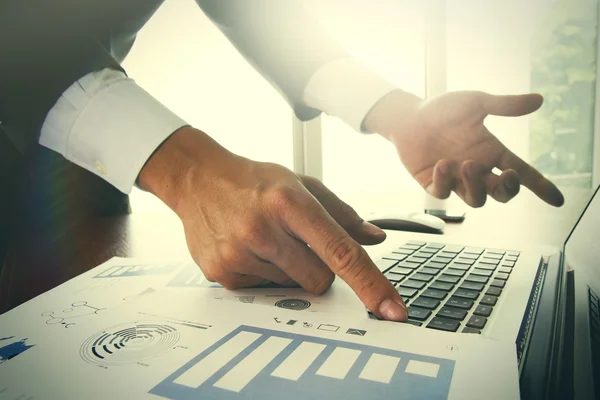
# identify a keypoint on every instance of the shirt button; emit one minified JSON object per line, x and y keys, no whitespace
{"x":100,"y":168}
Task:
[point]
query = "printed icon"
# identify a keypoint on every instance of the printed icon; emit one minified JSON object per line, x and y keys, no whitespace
{"x":328,"y":327}
{"x":291,"y":322}
{"x":307,"y":325}
{"x":356,"y":332}
{"x":277,"y":320}
{"x":293,"y":304}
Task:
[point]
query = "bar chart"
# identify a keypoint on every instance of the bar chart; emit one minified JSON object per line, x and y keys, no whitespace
{"x":251,"y":363}
{"x":123,"y":271}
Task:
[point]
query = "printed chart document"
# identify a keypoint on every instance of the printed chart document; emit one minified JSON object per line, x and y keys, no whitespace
{"x":185,"y":345}
{"x":120,"y":280}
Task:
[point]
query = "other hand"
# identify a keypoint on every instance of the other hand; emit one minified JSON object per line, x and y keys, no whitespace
{"x":446,"y":147}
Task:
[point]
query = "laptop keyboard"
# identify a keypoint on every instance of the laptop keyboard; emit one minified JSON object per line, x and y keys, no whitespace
{"x":594,"y":310}
{"x":448,"y":287}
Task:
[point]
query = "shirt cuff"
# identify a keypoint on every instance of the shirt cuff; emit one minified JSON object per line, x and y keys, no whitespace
{"x":347,"y":89}
{"x":108,"y":125}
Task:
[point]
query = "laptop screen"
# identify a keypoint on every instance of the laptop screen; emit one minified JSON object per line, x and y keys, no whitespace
{"x":582,"y":247}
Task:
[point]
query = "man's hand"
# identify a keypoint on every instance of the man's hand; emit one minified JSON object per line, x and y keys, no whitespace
{"x":446,"y":147}
{"x":246,"y":222}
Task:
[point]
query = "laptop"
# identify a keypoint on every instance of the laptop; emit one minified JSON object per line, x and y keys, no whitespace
{"x":526,"y":295}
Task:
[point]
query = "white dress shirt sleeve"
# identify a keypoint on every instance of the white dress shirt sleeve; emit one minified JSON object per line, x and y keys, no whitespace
{"x":346,"y":89}
{"x":108,"y":125}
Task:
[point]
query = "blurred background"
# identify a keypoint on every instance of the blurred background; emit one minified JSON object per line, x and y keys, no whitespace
{"x":508,"y":47}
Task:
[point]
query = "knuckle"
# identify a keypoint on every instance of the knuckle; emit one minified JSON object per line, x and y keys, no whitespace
{"x":229,"y":256}
{"x":346,"y":255}
{"x":283,"y":198}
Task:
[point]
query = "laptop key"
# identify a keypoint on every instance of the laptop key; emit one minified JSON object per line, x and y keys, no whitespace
{"x":415,"y":243}
{"x":422,"y":254}
{"x":453,"y":249}
{"x":493,"y":291}
{"x":395,"y":256}
{"x":425,"y":302}
{"x":444,"y":324}
{"x":468,"y":256}
{"x":508,"y":264}
{"x":467,"y":294}
{"x":409,"y":264}
{"x":412,"y":284}
{"x":483,"y":310}
{"x":446,"y":254}
{"x":421,"y":277}
{"x":406,"y":293}
{"x":467,"y":329}
{"x":406,"y":252}
{"x":400,"y":271}
{"x":416,"y":323}
{"x":462,"y":267}
{"x":488,"y":300}
{"x":428,"y":250}
{"x":410,"y":247}
{"x":505,"y":270}
{"x":458,"y":302}
{"x":472,"y":286}
{"x":384,"y":263}
{"x":433,"y":264}
{"x":513,"y":253}
{"x":436,"y":245}
{"x":452,"y":313}
{"x":498,"y":283}
{"x":419,"y":314}
{"x":394,"y":277}
{"x":448,"y":279}
{"x":510,"y":258}
{"x":444,"y":260}
{"x":473,"y":250}
{"x":501,"y":275}
{"x":476,"y":278}
{"x":463,"y":260}
{"x":439,"y":285}
{"x":429,"y":271}
{"x":454,"y":272}
{"x":418,"y":260}
{"x":476,"y":322}
{"x":434,"y":294}
{"x":482,"y":272}
{"x":487,"y":267}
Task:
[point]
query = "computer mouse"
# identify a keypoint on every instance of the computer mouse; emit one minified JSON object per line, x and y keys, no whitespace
{"x":411,"y":222}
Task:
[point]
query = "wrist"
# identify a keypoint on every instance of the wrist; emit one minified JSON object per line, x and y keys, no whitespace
{"x":177,"y":166}
{"x":395,"y":112}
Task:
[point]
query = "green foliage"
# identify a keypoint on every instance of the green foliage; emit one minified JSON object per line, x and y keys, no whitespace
{"x":564,"y":72}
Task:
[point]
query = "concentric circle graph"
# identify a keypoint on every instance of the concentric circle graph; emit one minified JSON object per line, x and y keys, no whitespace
{"x":129,"y":343}
{"x":293,"y":304}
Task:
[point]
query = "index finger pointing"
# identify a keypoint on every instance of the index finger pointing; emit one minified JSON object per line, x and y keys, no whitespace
{"x":346,"y":258}
{"x":532,"y":179}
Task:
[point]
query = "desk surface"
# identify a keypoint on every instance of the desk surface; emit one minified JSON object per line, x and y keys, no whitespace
{"x":41,"y":261}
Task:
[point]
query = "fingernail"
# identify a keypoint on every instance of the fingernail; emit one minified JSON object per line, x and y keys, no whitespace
{"x":511,"y":183}
{"x":372,"y":229}
{"x":392,"y":310}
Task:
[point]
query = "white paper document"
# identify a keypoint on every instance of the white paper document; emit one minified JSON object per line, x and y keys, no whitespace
{"x":183,"y":345}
